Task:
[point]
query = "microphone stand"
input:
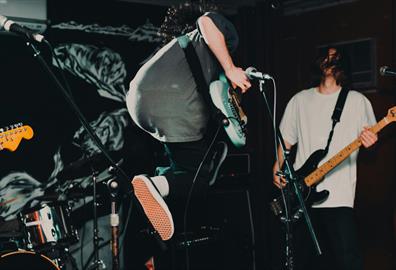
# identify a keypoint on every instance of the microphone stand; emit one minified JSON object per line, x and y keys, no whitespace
{"x":127,"y":190}
{"x":113,"y":188}
{"x":292,"y":180}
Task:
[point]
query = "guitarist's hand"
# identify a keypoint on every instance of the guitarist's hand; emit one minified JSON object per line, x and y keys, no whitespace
{"x":279,"y":181}
{"x":238,"y":78}
{"x":368,"y":138}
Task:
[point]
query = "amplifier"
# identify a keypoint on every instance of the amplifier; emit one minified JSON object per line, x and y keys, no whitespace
{"x":235,"y":165}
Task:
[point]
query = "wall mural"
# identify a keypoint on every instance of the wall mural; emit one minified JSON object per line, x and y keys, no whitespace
{"x":98,"y":63}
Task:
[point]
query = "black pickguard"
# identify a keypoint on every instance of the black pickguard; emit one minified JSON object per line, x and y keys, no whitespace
{"x":310,"y":195}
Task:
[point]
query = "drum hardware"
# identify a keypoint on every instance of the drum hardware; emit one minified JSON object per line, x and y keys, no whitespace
{"x":48,"y":225}
{"x":113,"y":187}
{"x":61,"y":257}
{"x":97,"y":263}
{"x":22,"y":259}
{"x":83,"y":167}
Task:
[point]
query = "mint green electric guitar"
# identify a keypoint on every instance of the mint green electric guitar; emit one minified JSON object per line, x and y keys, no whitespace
{"x":227,"y":100}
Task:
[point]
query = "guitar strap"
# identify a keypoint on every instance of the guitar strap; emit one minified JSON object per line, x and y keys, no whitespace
{"x":196,"y":70}
{"x":337,"y":114}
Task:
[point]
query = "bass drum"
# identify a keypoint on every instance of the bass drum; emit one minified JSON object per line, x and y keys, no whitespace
{"x":22,"y":260}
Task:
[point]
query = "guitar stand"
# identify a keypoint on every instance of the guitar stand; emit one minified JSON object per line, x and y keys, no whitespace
{"x":294,"y":189}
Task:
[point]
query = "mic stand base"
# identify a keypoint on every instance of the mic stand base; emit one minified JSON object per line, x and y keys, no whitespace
{"x":97,"y":265}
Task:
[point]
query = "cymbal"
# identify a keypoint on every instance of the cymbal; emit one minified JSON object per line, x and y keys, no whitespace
{"x":83,"y":167}
{"x":70,"y":195}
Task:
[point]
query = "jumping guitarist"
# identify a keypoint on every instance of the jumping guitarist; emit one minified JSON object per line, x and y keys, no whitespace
{"x":307,"y":122}
{"x":165,"y":100}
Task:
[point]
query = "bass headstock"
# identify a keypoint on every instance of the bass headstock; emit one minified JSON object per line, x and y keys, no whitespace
{"x":391,"y":116}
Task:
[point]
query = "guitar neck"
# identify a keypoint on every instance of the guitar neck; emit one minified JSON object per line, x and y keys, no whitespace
{"x":317,"y":175}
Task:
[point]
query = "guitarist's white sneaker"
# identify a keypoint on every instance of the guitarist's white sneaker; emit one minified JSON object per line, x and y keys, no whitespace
{"x":153,"y":206}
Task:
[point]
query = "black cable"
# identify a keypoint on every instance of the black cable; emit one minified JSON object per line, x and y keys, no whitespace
{"x":124,"y":228}
{"x":190,"y":195}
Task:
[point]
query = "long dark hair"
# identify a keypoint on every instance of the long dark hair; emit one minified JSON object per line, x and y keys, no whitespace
{"x":341,"y":70}
{"x":181,"y":19}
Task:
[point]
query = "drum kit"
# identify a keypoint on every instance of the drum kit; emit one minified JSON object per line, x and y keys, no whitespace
{"x":40,"y":237}
{"x":45,"y":234}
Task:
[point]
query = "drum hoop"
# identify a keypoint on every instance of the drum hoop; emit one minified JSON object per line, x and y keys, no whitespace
{"x":30,"y":252}
{"x":40,"y":206}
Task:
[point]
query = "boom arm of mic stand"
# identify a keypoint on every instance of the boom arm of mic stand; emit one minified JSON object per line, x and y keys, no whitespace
{"x":78,"y":113}
{"x":291,"y":176}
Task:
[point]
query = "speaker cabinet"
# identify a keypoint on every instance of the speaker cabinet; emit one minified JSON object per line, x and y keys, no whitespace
{"x":226,"y":241}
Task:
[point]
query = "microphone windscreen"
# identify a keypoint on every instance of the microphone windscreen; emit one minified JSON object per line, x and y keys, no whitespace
{"x":383,"y":70}
{"x":250,"y":70}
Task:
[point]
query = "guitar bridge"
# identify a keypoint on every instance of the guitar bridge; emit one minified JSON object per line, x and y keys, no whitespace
{"x":276,"y":207}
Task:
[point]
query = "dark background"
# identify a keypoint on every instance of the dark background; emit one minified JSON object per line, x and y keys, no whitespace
{"x":281,"y":45}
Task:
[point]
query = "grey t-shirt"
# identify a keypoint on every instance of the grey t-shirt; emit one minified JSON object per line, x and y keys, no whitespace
{"x":163,"y":98}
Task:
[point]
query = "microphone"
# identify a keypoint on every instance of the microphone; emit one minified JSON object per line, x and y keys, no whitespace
{"x":386,"y":71}
{"x":11,"y":26}
{"x":252,"y":73}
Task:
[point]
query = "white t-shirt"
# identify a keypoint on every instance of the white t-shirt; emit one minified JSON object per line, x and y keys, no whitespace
{"x":307,"y":121}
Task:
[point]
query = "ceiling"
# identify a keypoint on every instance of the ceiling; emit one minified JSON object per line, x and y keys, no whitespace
{"x":289,"y":6}
{"x":225,"y":3}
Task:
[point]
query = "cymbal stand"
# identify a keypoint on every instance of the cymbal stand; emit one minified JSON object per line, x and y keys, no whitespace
{"x":97,"y":263}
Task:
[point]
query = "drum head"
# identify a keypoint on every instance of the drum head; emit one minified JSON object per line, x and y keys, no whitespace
{"x":21,"y":260}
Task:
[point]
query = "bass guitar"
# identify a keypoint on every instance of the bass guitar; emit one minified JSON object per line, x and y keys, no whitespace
{"x":228,"y":101}
{"x":309,"y":174}
{"x":10,"y":137}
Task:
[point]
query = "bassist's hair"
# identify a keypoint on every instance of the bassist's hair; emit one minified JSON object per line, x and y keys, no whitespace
{"x":340,"y":64}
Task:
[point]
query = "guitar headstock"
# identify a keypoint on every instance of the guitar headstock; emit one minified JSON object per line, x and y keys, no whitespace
{"x":10,"y":137}
{"x":391,"y":116}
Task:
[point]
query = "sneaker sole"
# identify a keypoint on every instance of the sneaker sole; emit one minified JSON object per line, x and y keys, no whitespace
{"x":154,"y":207}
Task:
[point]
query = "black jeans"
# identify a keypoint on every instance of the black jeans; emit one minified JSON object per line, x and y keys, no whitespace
{"x":185,"y":159}
{"x":337,"y":236}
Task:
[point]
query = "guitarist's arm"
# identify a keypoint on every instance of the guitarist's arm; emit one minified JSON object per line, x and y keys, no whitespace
{"x":217,"y":44}
{"x":280,"y":181}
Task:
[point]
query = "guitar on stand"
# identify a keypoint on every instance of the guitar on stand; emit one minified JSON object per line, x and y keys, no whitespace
{"x":309,"y":174}
{"x":11,"y":137}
